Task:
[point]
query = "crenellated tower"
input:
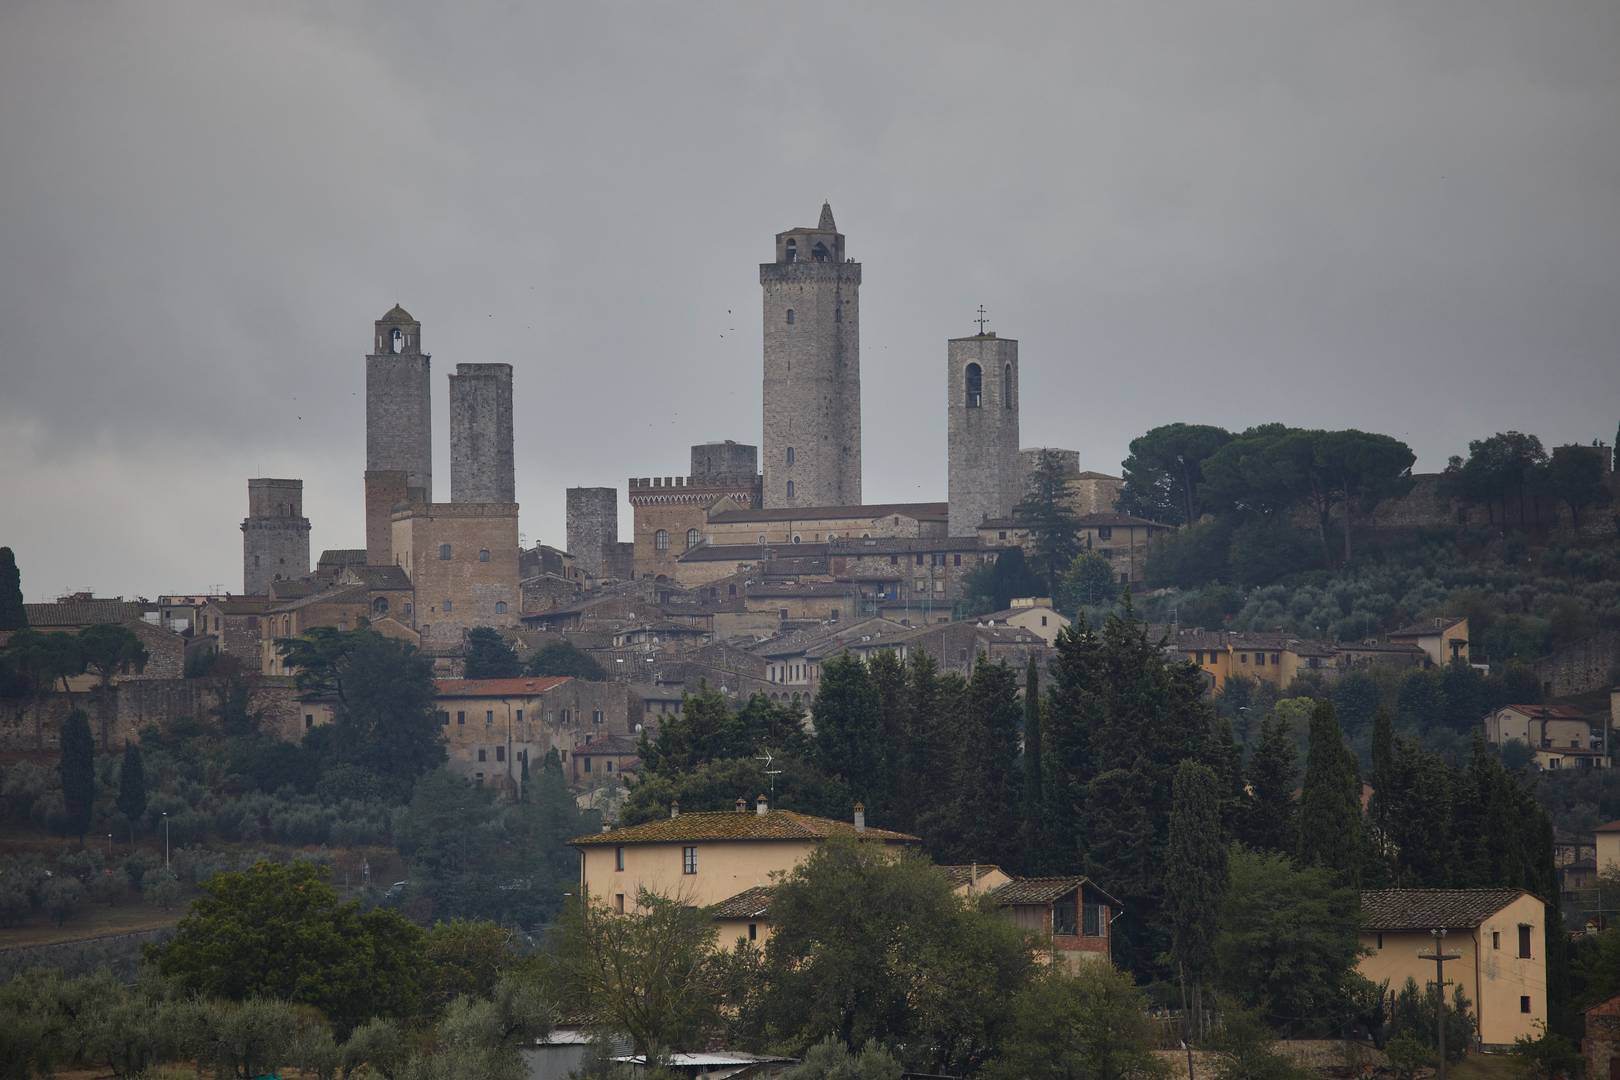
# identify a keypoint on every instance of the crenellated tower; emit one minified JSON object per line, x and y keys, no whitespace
{"x":812,"y":431}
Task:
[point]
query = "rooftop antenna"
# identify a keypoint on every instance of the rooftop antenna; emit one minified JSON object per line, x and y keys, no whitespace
{"x":981,"y":320}
{"x":770,"y":772}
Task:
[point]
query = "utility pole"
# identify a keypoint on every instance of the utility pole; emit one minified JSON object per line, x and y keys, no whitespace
{"x":1440,"y":957}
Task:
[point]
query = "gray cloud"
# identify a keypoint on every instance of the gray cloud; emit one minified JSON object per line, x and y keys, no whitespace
{"x":1384,"y":215}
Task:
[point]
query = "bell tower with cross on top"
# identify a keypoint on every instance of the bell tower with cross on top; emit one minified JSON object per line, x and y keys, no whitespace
{"x":981,"y":409}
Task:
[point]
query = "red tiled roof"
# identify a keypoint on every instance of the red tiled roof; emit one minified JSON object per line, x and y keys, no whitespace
{"x":920,"y":511}
{"x":539,"y":684}
{"x":734,"y":825}
{"x":1432,"y":909}
{"x":1550,"y":712}
{"x":752,"y":903}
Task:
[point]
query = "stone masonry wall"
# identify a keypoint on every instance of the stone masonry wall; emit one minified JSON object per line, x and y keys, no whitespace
{"x":985,"y":475}
{"x":812,"y":392}
{"x":1581,"y":666}
{"x":275,"y":535}
{"x":399,"y":414}
{"x":593,"y":527}
{"x":481,"y":463}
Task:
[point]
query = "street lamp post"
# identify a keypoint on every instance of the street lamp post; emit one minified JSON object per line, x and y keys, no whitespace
{"x":109,"y":846}
{"x":165,"y":839}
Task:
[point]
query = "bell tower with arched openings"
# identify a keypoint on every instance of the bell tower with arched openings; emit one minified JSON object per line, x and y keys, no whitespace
{"x":982,"y":422}
{"x":812,"y":436}
{"x":399,"y":428}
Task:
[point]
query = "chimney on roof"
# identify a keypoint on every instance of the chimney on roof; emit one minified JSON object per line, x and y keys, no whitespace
{"x":860,"y":817}
{"x":675,"y":808}
{"x":606,"y":827}
{"x":742,"y":805}
{"x":762,"y":805}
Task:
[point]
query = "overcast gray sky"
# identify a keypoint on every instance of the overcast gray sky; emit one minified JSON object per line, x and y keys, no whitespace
{"x":1396,"y":216}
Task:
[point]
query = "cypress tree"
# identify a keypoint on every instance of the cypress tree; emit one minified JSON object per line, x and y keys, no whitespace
{"x":1035,"y":857}
{"x":12,"y":614}
{"x":1330,"y":824}
{"x":78,"y":768}
{"x":985,"y":802}
{"x":1268,"y":823}
{"x":132,"y":787}
{"x":1226,"y":759}
{"x":1195,"y":880}
{"x":1383,"y":770}
{"x":849,"y":729}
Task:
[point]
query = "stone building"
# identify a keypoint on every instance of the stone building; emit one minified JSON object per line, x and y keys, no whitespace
{"x":985,"y":470}
{"x":481,"y":464}
{"x":593,"y":527}
{"x":671,"y":512}
{"x":384,"y":601}
{"x":1085,"y":491}
{"x":399,"y":428}
{"x":233,"y":622}
{"x":812,"y":392}
{"x":491,"y":726}
{"x":275,"y":534}
{"x":815,"y":524}
{"x":462,"y":561}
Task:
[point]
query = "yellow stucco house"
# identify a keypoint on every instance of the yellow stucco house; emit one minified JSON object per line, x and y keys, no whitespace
{"x":711,"y":858}
{"x":1443,"y":638}
{"x":1498,"y":934}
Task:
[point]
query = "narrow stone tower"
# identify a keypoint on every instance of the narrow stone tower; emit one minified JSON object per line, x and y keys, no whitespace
{"x":399,"y":428}
{"x":986,"y":479}
{"x":812,"y":436}
{"x":481,"y":434}
{"x":275,"y":535}
{"x":593,"y":527}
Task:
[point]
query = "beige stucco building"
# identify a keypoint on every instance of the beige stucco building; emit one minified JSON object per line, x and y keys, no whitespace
{"x":707,"y":858}
{"x":1499,"y":936}
{"x":491,"y":726}
{"x":1443,"y":638}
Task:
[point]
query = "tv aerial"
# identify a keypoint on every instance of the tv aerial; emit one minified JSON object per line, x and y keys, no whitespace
{"x":770,"y":772}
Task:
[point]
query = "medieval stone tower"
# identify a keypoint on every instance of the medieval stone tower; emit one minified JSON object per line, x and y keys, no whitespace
{"x":481,"y":434}
{"x":275,"y":535}
{"x":986,"y":477}
{"x":399,"y":428}
{"x":593,"y":527}
{"x":812,"y":370}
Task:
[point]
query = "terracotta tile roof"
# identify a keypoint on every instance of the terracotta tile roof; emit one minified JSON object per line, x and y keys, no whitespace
{"x":1427,"y":627}
{"x":1549,"y":712}
{"x":1611,"y":827}
{"x":1038,"y":890}
{"x":83,"y":612}
{"x":959,"y":876}
{"x":897,"y":545}
{"x":1044,"y":890}
{"x":747,"y":552}
{"x":732,"y":825}
{"x":752,"y":903}
{"x":612,"y":746}
{"x":1092,"y":521}
{"x":1431,"y":909}
{"x":539,"y":684}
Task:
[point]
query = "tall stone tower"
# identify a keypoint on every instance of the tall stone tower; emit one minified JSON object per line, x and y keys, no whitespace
{"x":399,"y":428}
{"x":481,"y":434}
{"x":986,"y":475}
{"x":275,"y":535}
{"x":812,"y":370}
{"x":593,"y":527}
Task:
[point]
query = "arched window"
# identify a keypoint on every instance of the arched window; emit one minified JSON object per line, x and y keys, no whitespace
{"x":661,"y":540}
{"x":975,"y":386}
{"x":483,"y":555}
{"x":500,"y":607}
{"x":790,"y":317}
{"x":790,"y":455}
{"x":820,"y":252}
{"x":790,"y":489}
{"x":1006,"y":387}
{"x":792,"y":251}
{"x":692,"y":538}
{"x":379,"y":606}
{"x":444,"y":551}
{"x":398,"y":341}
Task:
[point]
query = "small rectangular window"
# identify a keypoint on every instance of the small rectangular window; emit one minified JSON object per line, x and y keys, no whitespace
{"x":1093,"y":924}
{"x":1243,"y":658}
{"x":1260,"y":659}
{"x":1380,"y":941}
{"x":447,"y":607}
{"x":500,"y":753}
{"x":1524,"y":941}
{"x":489,"y":717}
{"x":753,"y":931}
{"x":461,"y":717}
{"x":1496,"y":939}
{"x":309,"y":721}
{"x":520,"y":716}
{"x":480,"y":753}
{"x":618,"y":903}
{"x":688,"y":860}
{"x":587,"y":764}
{"x":957,"y":559}
{"x":1524,"y":1003}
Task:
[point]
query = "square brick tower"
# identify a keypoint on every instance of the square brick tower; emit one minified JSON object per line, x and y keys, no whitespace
{"x":812,"y":370}
{"x":399,"y":428}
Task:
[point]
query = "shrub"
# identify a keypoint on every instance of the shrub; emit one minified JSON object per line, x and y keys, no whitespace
{"x":61,"y":896}
{"x":162,"y":888}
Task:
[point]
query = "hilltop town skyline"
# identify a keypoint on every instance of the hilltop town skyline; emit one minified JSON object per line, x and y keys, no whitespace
{"x":191,"y":325}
